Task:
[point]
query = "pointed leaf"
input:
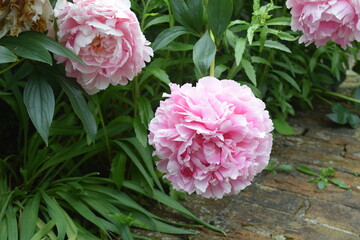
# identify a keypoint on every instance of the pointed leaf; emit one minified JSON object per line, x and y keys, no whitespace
{"x":29,"y":218}
{"x":204,"y":53}
{"x":27,"y":48}
{"x":239,"y":49}
{"x":249,"y":70}
{"x":6,"y":56}
{"x":219,"y":15}
{"x":40,"y":103}
{"x":80,"y":108}
{"x":167,"y":36}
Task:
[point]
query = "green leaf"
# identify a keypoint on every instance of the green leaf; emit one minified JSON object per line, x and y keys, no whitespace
{"x":40,"y":103}
{"x":340,"y":184}
{"x":167,"y":36}
{"x":288,"y":78}
{"x":64,"y":223}
{"x":44,"y":230}
{"x":168,"y":201}
{"x":146,"y":156}
{"x":118,"y":167}
{"x":189,"y":18}
{"x":306,"y":170}
{"x":321,"y":184}
{"x":340,"y":113}
{"x":239,"y":49}
{"x":27,"y":48}
{"x":279,"y":21}
{"x":159,"y":74}
{"x":283,"y":127}
{"x":273,"y":44}
{"x":134,"y":158}
{"x":354,"y":120}
{"x":256,"y":59}
{"x":204,"y":53}
{"x":6,"y":56}
{"x":51,"y":45}
{"x":219,"y":16}
{"x":140,"y":131}
{"x":250,"y":33}
{"x":157,"y":20}
{"x":263,"y":35}
{"x":249,"y":70}
{"x":285,"y":167}
{"x":29,"y":218}
{"x":12,"y":224}
{"x":80,"y":107}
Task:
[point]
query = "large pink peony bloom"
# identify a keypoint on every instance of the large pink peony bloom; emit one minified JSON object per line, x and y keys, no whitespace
{"x":106,"y":35}
{"x":324,"y":20}
{"x":211,"y":139}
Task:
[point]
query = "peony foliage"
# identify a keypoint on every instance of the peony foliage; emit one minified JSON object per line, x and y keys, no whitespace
{"x":110,"y":107}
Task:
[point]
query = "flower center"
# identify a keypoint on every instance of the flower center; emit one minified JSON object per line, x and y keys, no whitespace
{"x":96,"y":43}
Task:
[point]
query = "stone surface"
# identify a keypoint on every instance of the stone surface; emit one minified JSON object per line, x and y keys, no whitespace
{"x":286,"y":205}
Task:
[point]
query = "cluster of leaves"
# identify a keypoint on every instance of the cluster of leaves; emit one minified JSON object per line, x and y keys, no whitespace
{"x":343,"y":115}
{"x":249,"y":42}
{"x":323,"y":177}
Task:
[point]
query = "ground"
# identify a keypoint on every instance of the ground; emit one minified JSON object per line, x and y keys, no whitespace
{"x":285,"y":205}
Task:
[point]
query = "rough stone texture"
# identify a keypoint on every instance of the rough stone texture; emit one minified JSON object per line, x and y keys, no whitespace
{"x":285,"y":205}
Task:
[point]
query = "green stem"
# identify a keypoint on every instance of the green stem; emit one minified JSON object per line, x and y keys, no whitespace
{"x":212,"y":66}
{"x":106,"y":136}
{"x":338,"y":95}
{"x":11,"y":66}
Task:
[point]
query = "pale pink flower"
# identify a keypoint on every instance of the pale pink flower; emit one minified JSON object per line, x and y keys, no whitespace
{"x":211,"y":139}
{"x":106,"y":35}
{"x":325,"y":20}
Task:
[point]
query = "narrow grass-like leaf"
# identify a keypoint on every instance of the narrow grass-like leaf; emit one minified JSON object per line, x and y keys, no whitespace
{"x":136,"y":161}
{"x":56,"y":213}
{"x":80,"y":108}
{"x":44,"y":230}
{"x":146,"y":155}
{"x":83,"y":210}
{"x":6,"y":56}
{"x":40,"y":103}
{"x":104,"y":208}
{"x":140,"y":131}
{"x":118,"y":164}
{"x":12,"y":224}
{"x":168,"y":201}
{"x":29,"y":218}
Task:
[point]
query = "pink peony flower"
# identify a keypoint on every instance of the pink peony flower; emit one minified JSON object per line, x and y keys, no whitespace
{"x":325,"y":20}
{"x":106,"y":35}
{"x":211,"y":139}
